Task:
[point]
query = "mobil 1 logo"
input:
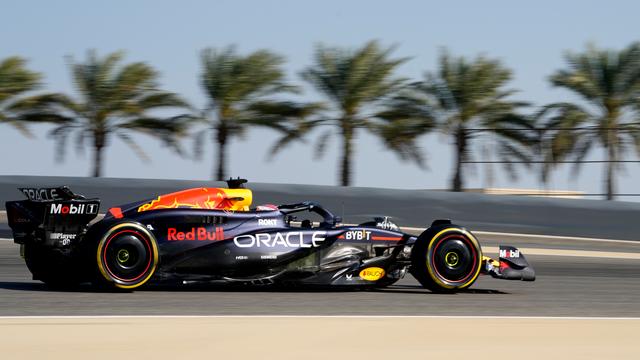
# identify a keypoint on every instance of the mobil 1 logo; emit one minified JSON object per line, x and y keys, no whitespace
{"x":74,"y":209}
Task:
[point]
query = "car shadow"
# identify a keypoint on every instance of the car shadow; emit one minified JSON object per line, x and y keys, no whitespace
{"x":37,"y":286}
{"x":88,"y":288}
{"x":417,"y":289}
{"x":26,"y":286}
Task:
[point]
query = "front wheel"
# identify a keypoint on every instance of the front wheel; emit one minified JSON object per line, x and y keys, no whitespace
{"x":127,"y":256}
{"x":446,"y":259}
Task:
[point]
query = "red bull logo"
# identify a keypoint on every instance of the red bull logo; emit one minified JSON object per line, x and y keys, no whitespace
{"x":195,"y":234}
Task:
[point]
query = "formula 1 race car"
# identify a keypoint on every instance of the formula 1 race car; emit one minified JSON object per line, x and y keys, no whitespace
{"x":213,"y":236}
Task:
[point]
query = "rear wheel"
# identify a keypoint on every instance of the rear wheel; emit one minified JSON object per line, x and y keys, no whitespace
{"x":127,"y":256}
{"x":446,"y":259}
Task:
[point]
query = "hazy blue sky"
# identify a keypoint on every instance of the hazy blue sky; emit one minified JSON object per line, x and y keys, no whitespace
{"x":530,"y":37}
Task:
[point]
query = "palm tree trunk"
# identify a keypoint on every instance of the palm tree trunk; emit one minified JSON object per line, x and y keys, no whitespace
{"x":610,"y":170}
{"x":98,"y":148}
{"x":347,"y":151}
{"x":221,"y":138}
{"x":97,"y":161}
{"x":461,"y":147}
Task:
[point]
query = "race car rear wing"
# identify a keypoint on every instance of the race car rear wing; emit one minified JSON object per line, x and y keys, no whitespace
{"x":50,"y":216}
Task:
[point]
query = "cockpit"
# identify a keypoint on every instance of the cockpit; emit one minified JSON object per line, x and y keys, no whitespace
{"x":308,"y":215}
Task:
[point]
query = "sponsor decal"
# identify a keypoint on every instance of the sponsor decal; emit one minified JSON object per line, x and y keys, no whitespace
{"x":366,"y":235}
{"x":268,"y":257}
{"x":41,"y":194}
{"x":387,"y":225}
{"x":357,"y":235}
{"x":509,"y":253}
{"x":349,"y":277}
{"x":202,"y":198}
{"x":293,"y":239}
{"x":195,"y":234}
{"x":267,"y":222}
{"x":74,"y":209}
{"x":267,"y":207}
{"x":372,"y":273}
{"x":60,"y":236}
{"x":242,"y":257}
{"x":64,"y":239}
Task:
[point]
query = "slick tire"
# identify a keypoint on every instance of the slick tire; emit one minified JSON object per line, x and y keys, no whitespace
{"x":56,"y":271}
{"x":446,"y":259}
{"x":126,"y":257}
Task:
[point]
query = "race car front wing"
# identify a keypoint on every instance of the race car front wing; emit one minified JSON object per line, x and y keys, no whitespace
{"x":511,"y":265}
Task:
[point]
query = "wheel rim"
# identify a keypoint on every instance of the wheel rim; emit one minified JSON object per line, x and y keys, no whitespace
{"x":454,"y":259}
{"x":127,"y":255}
{"x":123,"y":256}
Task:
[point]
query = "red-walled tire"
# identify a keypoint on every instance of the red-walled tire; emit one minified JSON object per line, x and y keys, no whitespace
{"x":126,"y":256}
{"x":446,"y":259}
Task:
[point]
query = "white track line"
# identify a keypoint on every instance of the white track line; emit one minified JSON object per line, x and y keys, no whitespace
{"x":471,"y":317}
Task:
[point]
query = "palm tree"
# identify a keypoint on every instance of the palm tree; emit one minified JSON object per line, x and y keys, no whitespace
{"x":354,"y":82}
{"x":241,"y":92}
{"x":557,"y":126}
{"x":470,"y":98}
{"x":15,"y":81}
{"x":609,"y":82}
{"x":400,"y":121}
{"x":114,"y":100}
{"x":403,"y":119}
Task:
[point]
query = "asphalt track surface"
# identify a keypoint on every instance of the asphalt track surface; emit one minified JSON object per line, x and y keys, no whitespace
{"x":565,"y":286}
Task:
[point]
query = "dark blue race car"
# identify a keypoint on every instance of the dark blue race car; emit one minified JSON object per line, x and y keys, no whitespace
{"x":214,"y":236}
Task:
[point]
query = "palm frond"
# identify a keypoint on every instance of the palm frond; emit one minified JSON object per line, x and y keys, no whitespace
{"x":291,"y":132}
{"x":321,"y":144}
{"x":229,"y":78}
{"x":80,"y":141}
{"x":15,"y":78}
{"x":198,"y":143}
{"x":21,"y":127}
{"x":161,"y":99}
{"x":60,"y":134}
{"x":351,"y":79}
{"x":168,"y":130}
{"x":403,"y":119}
{"x":137,"y":149}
